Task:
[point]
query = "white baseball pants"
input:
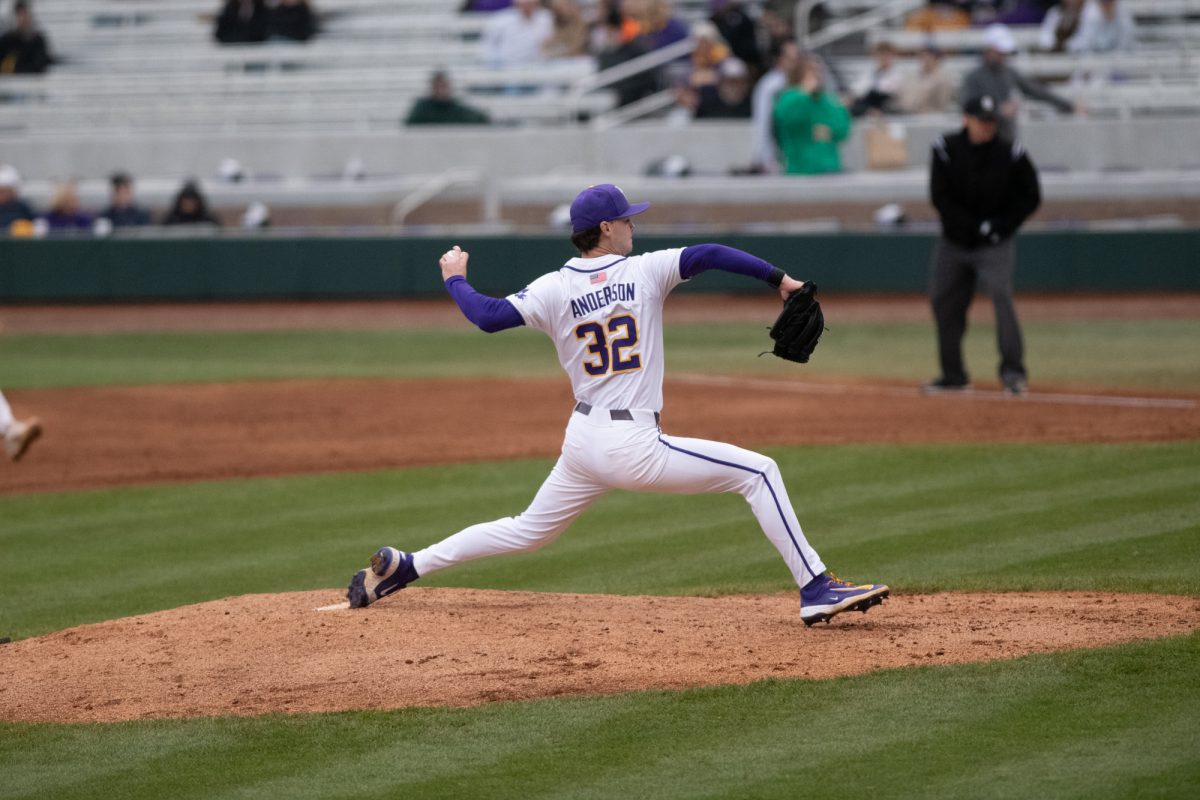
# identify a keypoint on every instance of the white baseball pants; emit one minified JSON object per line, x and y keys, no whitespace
{"x":600,"y":454}
{"x":6,"y":415}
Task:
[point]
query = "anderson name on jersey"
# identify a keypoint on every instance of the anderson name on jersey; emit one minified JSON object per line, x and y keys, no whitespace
{"x":604,"y":316}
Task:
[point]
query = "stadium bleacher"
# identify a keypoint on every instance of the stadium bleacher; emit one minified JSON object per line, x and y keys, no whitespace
{"x":144,"y":87}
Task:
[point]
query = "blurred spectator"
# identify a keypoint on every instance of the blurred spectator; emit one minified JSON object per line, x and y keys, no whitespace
{"x":242,"y":21}
{"x":123,"y":210}
{"x":65,"y":213}
{"x":984,"y":187}
{"x":616,"y":48}
{"x":1106,"y":26}
{"x":1060,"y":25}
{"x":190,"y":208}
{"x":440,"y":107}
{"x":764,"y":156}
{"x":515,"y":36}
{"x":12,"y":207}
{"x":599,"y":17}
{"x":486,"y":5}
{"x":657,"y":24}
{"x":929,"y":90}
{"x":1021,"y":12}
{"x":291,"y":21}
{"x":729,"y":98}
{"x":710,"y":51}
{"x":738,"y":29}
{"x":23,"y":48}
{"x":876,"y":88}
{"x":939,"y":15}
{"x":810,"y":122}
{"x":570,"y":37}
{"x":995,"y":78}
{"x":776,"y":21}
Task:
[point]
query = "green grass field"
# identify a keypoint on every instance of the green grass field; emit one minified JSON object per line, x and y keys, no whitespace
{"x":1120,"y":722}
{"x":1149,"y":354}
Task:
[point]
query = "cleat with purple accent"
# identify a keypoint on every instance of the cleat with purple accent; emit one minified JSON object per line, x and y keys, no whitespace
{"x":391,"y":570}
{"x":826,"y":596}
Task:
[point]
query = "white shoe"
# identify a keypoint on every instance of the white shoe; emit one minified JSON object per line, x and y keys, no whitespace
{"x":21,"y":434}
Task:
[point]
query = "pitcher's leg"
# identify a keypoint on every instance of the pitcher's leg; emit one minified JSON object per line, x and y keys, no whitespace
{"x":701,"y":466}
{"x":563,"y":496}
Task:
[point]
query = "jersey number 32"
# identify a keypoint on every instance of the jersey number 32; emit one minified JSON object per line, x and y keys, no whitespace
{"x":609,"y":348}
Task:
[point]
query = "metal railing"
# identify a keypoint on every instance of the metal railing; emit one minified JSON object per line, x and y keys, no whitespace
{"x":846,"y":27}
{"x":628,"y":69}
{"x":435,"y":186}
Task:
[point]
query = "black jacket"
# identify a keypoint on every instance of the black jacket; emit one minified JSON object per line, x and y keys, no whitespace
{"x":234,"y":27}
{"x":24,"y":55}
{"x":982,"y":192}
{"x":295,"y":22}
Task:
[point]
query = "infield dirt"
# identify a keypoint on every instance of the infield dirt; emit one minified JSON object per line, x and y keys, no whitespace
{"x":235,"y":430}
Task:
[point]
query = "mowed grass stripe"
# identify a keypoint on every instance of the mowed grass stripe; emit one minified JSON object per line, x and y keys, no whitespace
{"x":1124,"y":354}
{"x":1113,"y":723}
{"x":1130,"y":521}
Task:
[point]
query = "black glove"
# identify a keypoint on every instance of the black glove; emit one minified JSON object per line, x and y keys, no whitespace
{"x":799,"y":326}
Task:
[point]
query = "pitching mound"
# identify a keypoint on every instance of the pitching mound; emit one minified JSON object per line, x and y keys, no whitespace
{"x":257,"y":654}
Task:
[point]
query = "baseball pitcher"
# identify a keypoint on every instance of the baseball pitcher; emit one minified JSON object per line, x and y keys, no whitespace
{"x":604,"y":312}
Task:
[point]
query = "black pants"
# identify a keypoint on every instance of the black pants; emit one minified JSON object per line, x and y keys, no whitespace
{"x":955,"y":274}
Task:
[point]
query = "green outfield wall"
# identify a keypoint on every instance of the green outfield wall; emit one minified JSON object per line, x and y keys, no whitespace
{"x":261,"y":267}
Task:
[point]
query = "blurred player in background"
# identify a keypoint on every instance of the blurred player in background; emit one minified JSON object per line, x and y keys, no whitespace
{"x":984,"y":187}
{"x":18,"y":433}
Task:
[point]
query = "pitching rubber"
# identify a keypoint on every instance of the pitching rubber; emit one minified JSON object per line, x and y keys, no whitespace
{"x":342,"y":606}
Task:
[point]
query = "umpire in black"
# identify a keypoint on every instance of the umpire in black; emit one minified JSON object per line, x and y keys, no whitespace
{"x":983,"y":187}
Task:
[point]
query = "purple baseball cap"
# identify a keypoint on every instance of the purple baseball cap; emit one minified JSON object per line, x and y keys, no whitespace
{"x":600,"y":202}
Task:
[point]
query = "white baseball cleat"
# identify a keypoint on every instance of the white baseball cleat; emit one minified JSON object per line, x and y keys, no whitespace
{"x":21,"y":434}
{"x":391,"y":570}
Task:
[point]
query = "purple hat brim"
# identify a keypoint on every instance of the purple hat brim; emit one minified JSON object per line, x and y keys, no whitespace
{"x":635,"y":208}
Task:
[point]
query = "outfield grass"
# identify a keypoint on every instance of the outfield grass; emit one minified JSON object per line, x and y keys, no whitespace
{"x":921,"y":518}
{"x":1149,"y":354}
{"x":1116,"y":723}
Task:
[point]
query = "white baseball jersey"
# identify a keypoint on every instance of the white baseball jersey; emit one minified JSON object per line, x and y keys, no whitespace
{"x":604,"y":315}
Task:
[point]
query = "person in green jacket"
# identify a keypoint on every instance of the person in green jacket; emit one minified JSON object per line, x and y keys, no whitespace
{"x":441,"y":107}
{"x":810,"y":122}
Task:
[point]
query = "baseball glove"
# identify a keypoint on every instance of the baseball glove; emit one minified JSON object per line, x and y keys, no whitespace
{"x":799,"y":326}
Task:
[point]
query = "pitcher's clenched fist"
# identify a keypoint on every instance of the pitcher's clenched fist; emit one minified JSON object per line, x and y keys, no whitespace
{"x":454,"y":262}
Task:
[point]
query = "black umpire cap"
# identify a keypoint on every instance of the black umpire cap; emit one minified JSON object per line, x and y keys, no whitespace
{"x":982,"y":107}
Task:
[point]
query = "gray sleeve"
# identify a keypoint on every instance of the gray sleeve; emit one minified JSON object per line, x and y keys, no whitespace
{"x":1034,"y":89}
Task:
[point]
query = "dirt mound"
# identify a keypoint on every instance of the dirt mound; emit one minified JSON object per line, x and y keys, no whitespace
{"x":257,"y":654}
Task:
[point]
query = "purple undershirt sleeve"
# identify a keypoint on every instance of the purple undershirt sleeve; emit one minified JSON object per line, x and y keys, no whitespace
{"x":700,"y":257}
{"x":490,"y":314}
